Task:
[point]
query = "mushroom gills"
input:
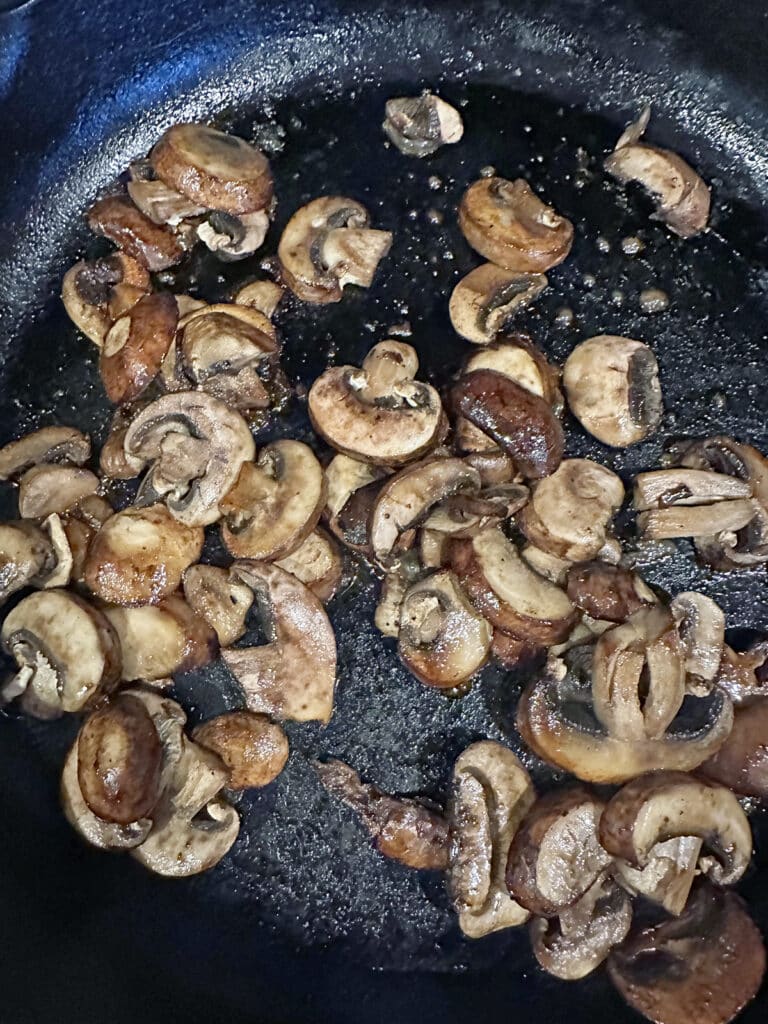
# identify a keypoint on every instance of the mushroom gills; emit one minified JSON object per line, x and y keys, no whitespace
{"x":419,"y":125}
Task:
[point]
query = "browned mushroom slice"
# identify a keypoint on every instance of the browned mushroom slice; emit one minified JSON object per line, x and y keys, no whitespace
{"x":442,"y":639}
{"x":163,"y":205}
{"x":275,"y":503}
{"x":220,"y":599}
{"x":508,"y":592}
{"x":507,"y":223}
{"x":293,"y":675}
{"x":466,"y":514}
{"x":487,"y":297}
{"x":114,"y":462}
{"x":253,"y":748}
{"x":224,"y":339}
{"x":662,"y":488}
{"x":27,"y":557}
{"x":607,"y":592}
{"x":546,"y":564}
{"x":263,"y":296}
{"x":151,"y":245}
{"x":742,"y":674}
{"x":703,"y":966}
{"x":682,"y":198}
{"x":667,"y":876}
{"x":353,"y":488}
{"x":139,"y":555}
{"x":45,"y":446}
{"x":210,"y":167}
{"x":521,"y":423}
{"x":402,"y":829}
{"x":419,"y":125}
{"x":741,"y":763}
{"x":135,"y":346}
{"x":379,"y":414}
{"x":701,"y":628}
{"x":317,"y":563}
{"x":515,"y":654}
{"x":46,"y":489}
{"x":722,"y":517}
{"x":93,"y":292}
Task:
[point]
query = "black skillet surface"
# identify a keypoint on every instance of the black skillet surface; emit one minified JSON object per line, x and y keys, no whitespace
{"x":289,"y":925}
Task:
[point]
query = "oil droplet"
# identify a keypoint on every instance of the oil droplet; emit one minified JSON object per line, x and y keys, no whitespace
{"x":402,"y":330}
{"x":589,"y":280}
{"x":603,"y":244}
{"x":617,"y":297}
{"x":434,"y":216}
{"x":632,"y":245}
{"x":435,"y":182}
{"x":489,"y":171}
{"x":565,"y":317}
{"x":653,"y":300}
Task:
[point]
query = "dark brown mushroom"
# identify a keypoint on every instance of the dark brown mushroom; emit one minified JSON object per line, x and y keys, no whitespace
{"x":135,"y":346}
{"x":254,"y":749}
{"x":153,"y":246}
{"x":741,"y":763}
{"x":607,"y":591}
{"x":96,"y":293}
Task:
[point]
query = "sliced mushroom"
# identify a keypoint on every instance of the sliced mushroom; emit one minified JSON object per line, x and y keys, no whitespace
{"x":507,"y":223}
{"x":253,"y":748}
{"x":514,"y":654}
{"x":442,"y":639}
{"x":352,"y":493}
{"x":275,"y":503}
{"x":495,"y":467}
{"x":515,"y":356}
{"x":720,"y":518}
{"x":465,"y":514}
{"x":402,"y":829}
{"x":263,"y":296}
{"x":196,"y":445}
{"x":419,"y":125}
{"x":153,"y":246}
{"x":79,"y":527}
{"x":46,"y":489}
{"x":66,"y":652}
{"x":135,"y":346}
{"x":292,"y":676}
{"x":92,"y":292}
{"x":741,"y":763}
{"x":379,"y":414}
{"x":701,"y":628}
{"x":345,"y":475}
{"x":327,"y":245}
{"x":608,"y":592}
{"x":667,"y":876}
{"x":613,"y":389}
{"x":42,"y":447}
{"x":662,"y":488}
{"x":487,"y":297}
{"x":682,"y":198}
{"x":114,"y":462}
{"x":163,"y":205}
{"x":317,"y":563}
{"x":703,"y":966}
{"x":27,"y":557}
{"x":139,"y":555}
{"x":434,"y":548}
{"x":549,"y":566}
{"x":216,"y":596}
{"x":742,"y":674}
{"x":393,"y":589}
{"x":233,"y":238}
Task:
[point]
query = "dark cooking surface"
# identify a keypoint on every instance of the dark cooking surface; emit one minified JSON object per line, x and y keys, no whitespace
{"x":303,"y":870}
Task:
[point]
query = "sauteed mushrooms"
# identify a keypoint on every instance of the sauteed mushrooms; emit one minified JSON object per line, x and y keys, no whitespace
{"x":94,"y":293}
{"x":317,"y":563}
{"x":48,"y":489}
{"x":669,"y":872}
{"x":219,"y":598}
{"x":135,"y":346}
{"x":487,"y":297}
{"x":153,"y":246}
{"x":263,"y":296}
{"x":253,"y":748}
{"x":419,"y":125}
{"x":33,"y":556}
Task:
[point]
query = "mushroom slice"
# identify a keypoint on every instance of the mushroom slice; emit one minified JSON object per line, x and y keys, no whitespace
{"x":668,"y":875}
{"x":434,"y":548}
{"x":464,"y":515}
{"x":379,"y":414}
{"x":153,"y":246}
{"x":402,"y":829}
{"x":135,"y":346}
{"x":275,"y":503}
{"x":46,"y":489}
{"x":327,"y":245}
{"x":345,"y":475}
{"x":682,"y":198}
{"x":492,"y":792}
{"x":353,"y":488}
{"x":233,"y":238}
{"x":45,"y":446}
{"x":487,"y":297}
{"x":163,"y":205}
{"x":546,"y":564}
{"x":292,"y":676}
{"x":317,"y":563}
{"x":510,"y":595}
{"x":92,"y":291}
{"x":139,"y":555}
{"x":66,"y":652}
{"x":607,"y":592}
{"x":495,"y":467}
{"x":507,"y":223}
{"x":26,"y":557}
{"x":253,"y":748}
{"x":224,"y":339}
{"x":662,"y":488}
{"x":580,"y":939}
{"x":521,"y":423}
{"x":157,"y":641}
{"x":703,"y":966}
{"x":196,"y":445}
{"x":741,"y":763}
{"x":665,"y":805}
{"x":570,"y":512}
{"x":221,"y":600}
{"x":393,"y":589}
{"x":515,"y":356}
{"x":719,"y":518}
{"x":263,"y":296}
{"x":742,"y":674}
{"x":613,"y":389}
{"x":701,"y":628}
{"x":114,"y":462}
{"x":555,"y":856}
{"x":514,"y":654}
{"x":442,"y":639}
{"x":212,"y":168}
{"x":419,"y":125}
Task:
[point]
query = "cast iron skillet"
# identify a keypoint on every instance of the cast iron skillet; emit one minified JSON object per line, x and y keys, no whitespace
{"x":290,"y":925}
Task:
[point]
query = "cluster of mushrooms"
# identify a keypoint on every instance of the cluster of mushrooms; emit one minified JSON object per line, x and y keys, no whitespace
{"x":489,"y":545}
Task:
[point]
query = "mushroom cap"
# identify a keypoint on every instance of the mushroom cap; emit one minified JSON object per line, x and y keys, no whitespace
{"x":317,"y":563}
{"x":44,"y":446}
{"x":152,"y":245}
{"x":224,"y":339}
{"x":46,"y":489}
{"x":254,"y":749}
{"x":487,"y":296}
{"x":220,"y":599}
{"x":135,"y":346}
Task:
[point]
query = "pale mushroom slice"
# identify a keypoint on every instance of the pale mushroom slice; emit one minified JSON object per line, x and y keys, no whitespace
{"x":668,"y":875}
{"x":701,"y":629}
{"x":487,"y":297}
{"x":114,"y":462}
{"x":253,"y":748}
{"x":353,"y":487}
{"x":79,"y":526}
{"x":441,"y":638}
{"x":293,"y":675}
{"x":662,"y":488}
{"x":682,"y":198}
{"x":136,"y":345}
{"x":379,"y":413}
{"x":507,"y":223}
{"x":327,"y":245}
{"x":434,"y":548}
{"x":48,"y":489}
{"x":515,"y":356}
{"x":66,"y":652}
{"x":233,"y":238}
{"x":613,"y":390}
{"x":550,"y":566}
{"x":220,"y":599}
{"x":275,"y":503}
{"x":317,"y":562}
{"x":94,"y":291}
{"x":196,"y":446}
{"x":49,"y":445}
{"x":610,"y":593}
{"x":153,"y":246}
{"x":492,"y":793}
{"x":138,"y":556}
{"x":27,"y":557}
{"x":263,"y":296}
{"x":718,"y":521}
{"x":419,"y":125}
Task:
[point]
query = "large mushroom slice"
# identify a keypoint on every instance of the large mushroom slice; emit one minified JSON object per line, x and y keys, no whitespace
{"x":507,"y":223}
{"x":741,"y":763}
{"x":151,"y":245}
{"x":379,"y":413}
{"x":317,"y":563}
{"x":254,"y":749}
{"x":48,"y":489}
{"x":662,"y":488}
{"x":701,"y":628}
{"x":135,"y":346}
{"x":487,"y":297}
{"x":49,"y":445}
{"x":419,"y":125}
{"x":612,"y":386}
{"x":275,"y":503}
{"x":327,"y":245}
{"x":196,"y":445}
{"x":263,"y":296}
{"x":609,"y":593}
{"x":216,"y":596}
{"x":27,"y":558}
{"x":94,"y":293}
{"x":66,"y":652}
{"x":669,"y":873}
{"x":293,"y":675}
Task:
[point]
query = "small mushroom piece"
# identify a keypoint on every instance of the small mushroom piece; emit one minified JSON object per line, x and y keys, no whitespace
{"x":402,"y":829}
{"x":327,"y":245}
{"x":139,"y":555}
{"x":221,"y":600}
{"x":515,"y":356}
{"x":196,"y":445}
{"x":662,"y":488}
{"x":27,"y":557}
{"x":135,"y":346}
{"x":464,"y":514}
{"x":92,"y":291}
{"x":666,"y":805}
{"x":570,"y":512}
{"x":546,"y":564}
{"x":682,"y":198}
{"x":495,"y":467}
{"x":703,"y":966}
{"x":46,"y":446}
{"x":487,"y":297}
{"x":152,"y":245}
{"x":387,"y":615}
{"x":379,"y":414}
{"x":114,"y":462}
{"x":742,"y":674}
{"x":419,"y":125}
{"x":582,"y":936}
{"x":254,"y":749}
{"x":613,"y":390}
{"x":233,"y":238}
{"x":317,"y":563}
{"x":224,"y":339}
{"x":668,"y":874}
{"x":345,"y":475}
{"x":514,"y":654}
{"x":701,"y":628}
{"x":163,"y":205}
{"x":46,"y":489}
{"x":741,"y":763}
{"x":66,"y":652}
{"x":292,"y":676}
{"x":352,"y":491}
{"x":442,"y":639}
{"x":212,"y":168}
{"x":263,"y":296}
{"x":434,"y":548}
{"x":275,"y":504}
{"x":607,"y":592}
{"x":507,"y":223}
{"x":521,"y":423}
